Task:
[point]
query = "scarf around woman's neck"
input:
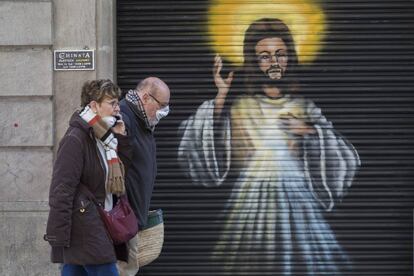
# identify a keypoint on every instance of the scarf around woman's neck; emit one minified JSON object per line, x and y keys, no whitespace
{"x":102,"y":131}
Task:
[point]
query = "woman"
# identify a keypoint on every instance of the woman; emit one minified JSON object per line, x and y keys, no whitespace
{"x":88,"y":159}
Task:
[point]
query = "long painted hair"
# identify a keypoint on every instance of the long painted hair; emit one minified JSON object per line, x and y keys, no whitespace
{"x":258,"y":30}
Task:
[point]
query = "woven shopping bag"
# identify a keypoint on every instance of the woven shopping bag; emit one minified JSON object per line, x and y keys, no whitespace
{"x":151,"y":238}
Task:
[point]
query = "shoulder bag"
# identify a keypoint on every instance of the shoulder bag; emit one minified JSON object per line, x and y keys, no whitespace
{"x":151,"y":238}
{"x":120,"y":222}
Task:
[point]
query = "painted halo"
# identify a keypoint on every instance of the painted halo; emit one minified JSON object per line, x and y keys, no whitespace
{"x":229,"y":19}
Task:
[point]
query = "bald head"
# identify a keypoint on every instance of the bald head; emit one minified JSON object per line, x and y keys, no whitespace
{"x":155,"y":87}
{"x":155,"y":98}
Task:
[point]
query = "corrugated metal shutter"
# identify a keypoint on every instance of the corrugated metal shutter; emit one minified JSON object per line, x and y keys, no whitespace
{"x":363,"y":82}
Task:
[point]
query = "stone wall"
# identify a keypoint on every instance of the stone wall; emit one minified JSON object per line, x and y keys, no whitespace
{"x":35,"y":105}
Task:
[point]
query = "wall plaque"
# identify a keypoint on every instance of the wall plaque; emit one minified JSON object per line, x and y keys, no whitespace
{"x":74,"y":60}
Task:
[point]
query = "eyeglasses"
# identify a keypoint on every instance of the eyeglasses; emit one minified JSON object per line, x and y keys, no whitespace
{"x":113,"y":103}
{"x":162,"y":105}
{"x":280,"y":56}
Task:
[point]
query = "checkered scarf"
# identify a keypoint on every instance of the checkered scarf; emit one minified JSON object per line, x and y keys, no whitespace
{"x":133,"y":97}
{"x":102,"y":131}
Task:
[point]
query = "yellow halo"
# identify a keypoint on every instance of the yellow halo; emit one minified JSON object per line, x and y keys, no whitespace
{"x":228,"y":21}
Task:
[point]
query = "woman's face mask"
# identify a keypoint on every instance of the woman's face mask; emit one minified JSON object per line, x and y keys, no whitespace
{"x":110,"y":120}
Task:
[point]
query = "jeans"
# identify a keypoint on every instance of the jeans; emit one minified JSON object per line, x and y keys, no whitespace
{"x":90,"y":270}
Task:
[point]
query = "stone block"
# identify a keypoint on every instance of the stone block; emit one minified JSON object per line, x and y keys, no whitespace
{"x":26,"y":72}
{"x":68,"y":86}
{"x":26,"y":122}
{"x":75,"y":24}
{"x":25,"y":175}
{"x":25,"y":23}
{"x":23,"y":250}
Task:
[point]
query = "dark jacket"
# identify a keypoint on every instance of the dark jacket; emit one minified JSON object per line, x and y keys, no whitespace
{"x":80,"y":237}
{"x":141,"y":175}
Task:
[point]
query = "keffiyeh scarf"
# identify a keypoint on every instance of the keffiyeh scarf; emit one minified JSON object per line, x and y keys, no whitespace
{"x":102,"y":131}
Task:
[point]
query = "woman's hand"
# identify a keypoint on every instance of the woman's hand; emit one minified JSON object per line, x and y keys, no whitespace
{"x":223,"y":85}
{"x":119,"y":127}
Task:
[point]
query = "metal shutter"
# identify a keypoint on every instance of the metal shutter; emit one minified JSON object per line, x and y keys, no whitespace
{"x":363,"y":81}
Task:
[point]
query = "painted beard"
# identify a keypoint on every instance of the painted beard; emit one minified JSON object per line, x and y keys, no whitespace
{"x":274,"y":73}
{"x":259,"y":79}
{"x":274,"y":76}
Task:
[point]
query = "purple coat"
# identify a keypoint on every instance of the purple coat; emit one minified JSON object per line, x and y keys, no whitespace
{"x":80,"y":237}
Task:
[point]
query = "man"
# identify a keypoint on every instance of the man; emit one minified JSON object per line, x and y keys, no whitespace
{"x":141,"y":111}
{"x":286,"y":161}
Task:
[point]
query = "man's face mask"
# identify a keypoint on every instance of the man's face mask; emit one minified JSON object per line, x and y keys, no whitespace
{"x":159,"y":114}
